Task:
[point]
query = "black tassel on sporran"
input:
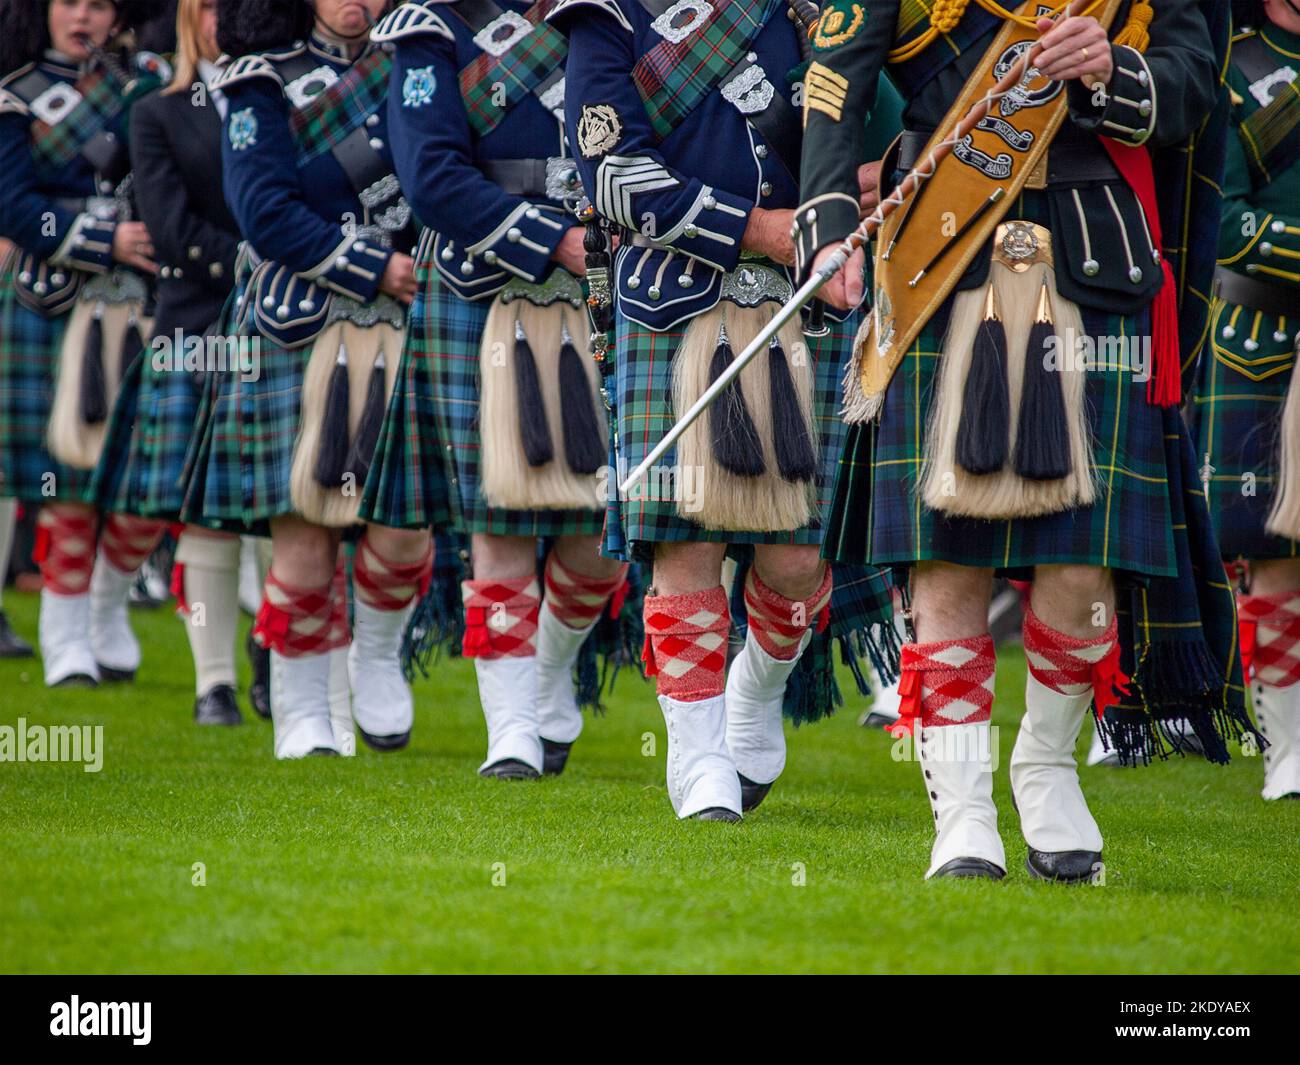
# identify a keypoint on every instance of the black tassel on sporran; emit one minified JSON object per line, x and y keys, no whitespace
{"x":533,"y":425}
{"x":796,"y":459}
{"x":331,"y":455}
{"x":361,"y":453}
{"x":984,"y":431}
{"x":1043,"y":438}
{"x":734,"y":436}
{"x":584,"y":444}
{"x":94,"y":379}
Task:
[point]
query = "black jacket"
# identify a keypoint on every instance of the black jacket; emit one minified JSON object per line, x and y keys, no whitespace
{"x":176,"y":154}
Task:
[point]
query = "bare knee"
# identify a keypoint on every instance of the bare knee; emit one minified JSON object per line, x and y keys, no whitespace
{"x":302,"y":554}
{"x":950,"y":602}
{"x":794,"y":571}
{"x":582,"y":555}
{"x":403,"y":546}
{"x":1076,"y":600}
{"x":503,"y":557}
{"x":1274,"y":576}
{"x":680,"y":569}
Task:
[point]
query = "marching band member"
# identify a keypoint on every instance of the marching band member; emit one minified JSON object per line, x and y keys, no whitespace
{"x":1001,"y":444}
{"x":497,"y":366}
{"x":1246,"y":412}
{"x":72,"y":299}
{"x":11,"y":644}
{"x":309,"y":178}
{"x":687,"y":135}
{"x":176,"y":154}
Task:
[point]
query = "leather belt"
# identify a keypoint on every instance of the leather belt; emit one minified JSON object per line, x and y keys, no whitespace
{"x":1069,"y":161}
{"x":1232,"y":287}
{"x":517,"y":177}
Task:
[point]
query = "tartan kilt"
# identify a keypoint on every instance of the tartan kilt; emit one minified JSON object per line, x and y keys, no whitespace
{"x":238,"y":471}
{"x":878,"y":517}
{"x":644,"y":414}
{"x":141,"y":470}
{"x":428,"y":456}
{"x":1235,"y":420}
{"x":29,"y":363}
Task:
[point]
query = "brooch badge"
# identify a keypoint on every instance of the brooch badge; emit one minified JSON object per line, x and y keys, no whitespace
{"x":243,"y":129}
{"x":599,"y":129}
{"x":418,"y":87}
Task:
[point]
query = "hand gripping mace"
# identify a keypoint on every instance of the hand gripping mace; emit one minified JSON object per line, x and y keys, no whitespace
{"x":917,"y":177}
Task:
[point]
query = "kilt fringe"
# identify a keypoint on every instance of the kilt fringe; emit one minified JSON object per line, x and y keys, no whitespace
{"x":437,"y":621}
{"x":510,"y":481}
{"x":70,"y":439}
{"x":1284,"y":517}
{"x":945,"y":485}
{"x":1176,"y":680}
{"x":336,"y":506}
{"x":767,"y":502}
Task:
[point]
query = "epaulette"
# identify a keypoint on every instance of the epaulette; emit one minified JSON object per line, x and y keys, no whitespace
{"x":13,"y":76}
{"x":247,"y":68}
{"x":12,"y":105}
{"x":410,"y":20}
{"x":610,"y":7}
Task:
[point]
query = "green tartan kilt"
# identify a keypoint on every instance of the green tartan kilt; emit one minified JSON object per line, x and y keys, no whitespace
{"x":142,"y":468}
{"x":877,"y":515}
{"x":428,"y":457}
{"x":644,"y":414}
{"x":237,"y":475}
{"x":29,"y":363}
{"x":1235,"y":421}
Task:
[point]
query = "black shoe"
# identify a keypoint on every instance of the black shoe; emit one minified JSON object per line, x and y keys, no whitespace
{"x":970,"y":869}
{"x":76,"y":680}
{"x":717,"y":813}
{"x":394,"y":742}
{"x":217,"y":707}
{"x":322,"y":752}
{"x":509,"y":769}
{"x":875,"y":719}
{"x":109,"y":675}
{"x":259,"y":691}
{"x":1064,"y":867}
{"x":751,"y":794}
{"x":554,"y":757}
{"x":11,"y":644}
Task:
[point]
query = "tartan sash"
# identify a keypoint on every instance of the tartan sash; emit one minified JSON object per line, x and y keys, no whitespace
{"x":1271,"y":136}
{"x":910,"y":75}
{"x":520,"y":70}
{"x":332,"y":115}
{"x":675,"y":77}
{"x":101,"y":102}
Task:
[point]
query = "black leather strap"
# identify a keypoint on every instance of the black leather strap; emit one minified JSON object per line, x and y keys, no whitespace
{"x":1250,"y":292}
{"x":518,"y":177}
{"x":1252,"y":59}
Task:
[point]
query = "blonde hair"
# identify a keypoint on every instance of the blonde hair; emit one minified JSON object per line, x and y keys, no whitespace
{"x":189,"y":46}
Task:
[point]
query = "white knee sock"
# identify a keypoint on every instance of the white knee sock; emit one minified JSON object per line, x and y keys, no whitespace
{"x":212,"y":592}
{"x":8,"y":519}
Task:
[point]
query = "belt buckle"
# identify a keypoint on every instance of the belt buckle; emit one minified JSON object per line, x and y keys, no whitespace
{"x":1018,"y":245}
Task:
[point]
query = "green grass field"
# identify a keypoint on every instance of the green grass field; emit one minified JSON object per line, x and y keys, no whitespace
{"x":388,"y":862}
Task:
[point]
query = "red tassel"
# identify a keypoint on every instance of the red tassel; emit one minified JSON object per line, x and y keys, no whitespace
{"x":178,"y":588}
{"x":1109,"y":682}
{"x":271,"y":629}
{"x":909,"y":708}
{"x":41,"y":548}
{"x":648,"y":658}
{"x":1247,"y":648}
{"x":1165,"y":386}
{"x":477,"y":641}
{"x":617,"y":600}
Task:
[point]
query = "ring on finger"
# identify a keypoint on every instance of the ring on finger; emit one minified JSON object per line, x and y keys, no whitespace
{"x":1084,"y":50}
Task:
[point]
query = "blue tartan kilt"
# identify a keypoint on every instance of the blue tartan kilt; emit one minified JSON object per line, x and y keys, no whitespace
{"x":142,"y":468}
{"x":644,"y":414}
{"x":429,"y":457}
{"x":878,"y":517}
{"x":237,"y":472}
{"x":29,"y":363}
